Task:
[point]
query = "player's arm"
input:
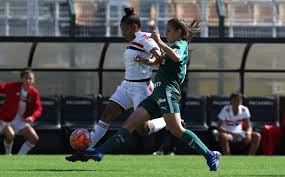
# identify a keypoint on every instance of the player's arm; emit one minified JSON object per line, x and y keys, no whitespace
{"x":221,"y":127}
{"x":168,"y":51}
{"x":222,"y":121}
{"x":247,"y":126}
{"x":157,"y":54}
{"x":4,"y":87}
{"x":37,"y":109}
{"x":154,"y":60}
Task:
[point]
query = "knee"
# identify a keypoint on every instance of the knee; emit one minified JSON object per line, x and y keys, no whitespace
{"x":223,"y":137}
{"x":111,"y":112}
{"x":33,"y":139}
{"x":143,"y":130}
{"x":256,"y":137}
{"x":9,"y":135}
{"x":177,"y":132}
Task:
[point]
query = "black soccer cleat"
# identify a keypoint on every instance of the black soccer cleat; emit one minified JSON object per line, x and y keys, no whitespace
{"x":85,"y":155}
{"x":77,"y":157}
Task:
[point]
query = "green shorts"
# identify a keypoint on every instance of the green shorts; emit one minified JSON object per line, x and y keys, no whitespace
{"x":161,"y":102}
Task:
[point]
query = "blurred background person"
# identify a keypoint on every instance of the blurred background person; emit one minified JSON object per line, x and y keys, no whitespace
{"x":235,"y":126}
{"x":21,"y":107}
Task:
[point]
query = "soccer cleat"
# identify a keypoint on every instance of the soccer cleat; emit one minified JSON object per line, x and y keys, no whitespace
{"x":85,"y":155}
{"x":213,"y":158}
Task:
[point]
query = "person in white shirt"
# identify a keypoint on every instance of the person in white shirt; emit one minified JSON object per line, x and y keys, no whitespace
{"x":234,"y":125}
{"x":137,"y":84}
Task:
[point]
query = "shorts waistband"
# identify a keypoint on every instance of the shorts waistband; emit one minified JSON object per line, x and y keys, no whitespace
{"x":140,"y":80}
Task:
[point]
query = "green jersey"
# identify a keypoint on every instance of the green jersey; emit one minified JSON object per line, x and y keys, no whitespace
{"x":171,"y":74}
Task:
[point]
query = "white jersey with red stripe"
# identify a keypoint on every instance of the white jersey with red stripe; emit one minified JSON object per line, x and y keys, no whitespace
{"x":141,"y":45}
{"x":233,"y":122}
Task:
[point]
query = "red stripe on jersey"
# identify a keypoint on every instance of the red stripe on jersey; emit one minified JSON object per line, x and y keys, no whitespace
{"x":137,"y":44}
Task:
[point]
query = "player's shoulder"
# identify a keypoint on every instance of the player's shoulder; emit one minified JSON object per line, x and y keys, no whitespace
{"x":15,"y":85}
{"x":244,"y":108}
{"x":34,"y":90}
{"x":226,"y":109}
{"x":143,"y":37}
{"x":181,"y":43}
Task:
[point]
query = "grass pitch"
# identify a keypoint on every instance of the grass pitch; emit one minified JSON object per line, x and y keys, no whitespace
{"x":140,"y":166}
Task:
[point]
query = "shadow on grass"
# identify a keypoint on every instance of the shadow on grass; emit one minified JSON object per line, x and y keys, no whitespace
{"x":60,"y":170}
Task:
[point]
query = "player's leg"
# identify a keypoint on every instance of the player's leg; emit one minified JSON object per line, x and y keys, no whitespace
{"x":22,"y":127}
{"x":173,"y":122}
{"x":119,"y":102}
{"x":254,"y":144}
{"x":31,"y":138}
{"x":139,"y":116}
{"x":151,"y":126}
{"x":224,"y":139}
{"x":111,"y":111}
{"x":9,"y":136}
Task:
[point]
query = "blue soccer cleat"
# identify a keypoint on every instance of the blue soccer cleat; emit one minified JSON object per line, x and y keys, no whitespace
{"x":213,"y":158}
{"x":84,"y":156}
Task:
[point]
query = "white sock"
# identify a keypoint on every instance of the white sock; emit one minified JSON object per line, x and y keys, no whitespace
{"x":156,"y":125}
{"x":8,"y":147}
{"x":98,"y":132}
{"x":25,"y":148}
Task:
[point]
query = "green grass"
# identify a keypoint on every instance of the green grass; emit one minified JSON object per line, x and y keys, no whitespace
{"x":140,"y":166}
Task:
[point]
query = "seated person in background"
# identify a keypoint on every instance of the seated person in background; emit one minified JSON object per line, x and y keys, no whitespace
{"x":230,"y":126}
{"x":21,"y":107}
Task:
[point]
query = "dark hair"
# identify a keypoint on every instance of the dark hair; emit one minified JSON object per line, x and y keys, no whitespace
{"x":131,"y":17}
{"x":26,"y":71}
{"x":187,"y":31}
{"x":236,"y":94}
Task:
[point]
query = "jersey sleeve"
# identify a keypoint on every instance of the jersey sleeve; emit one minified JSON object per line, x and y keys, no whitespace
{"x":4,"y":87}
{"x":222,"y":115}
{"x":148,"y":43}
{"x":246,"y":113}
{"x":179,"y":47}
{"x":38,"y":107}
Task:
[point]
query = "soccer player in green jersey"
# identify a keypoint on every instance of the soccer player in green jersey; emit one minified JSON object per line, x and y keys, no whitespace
{"x":164,"y":101}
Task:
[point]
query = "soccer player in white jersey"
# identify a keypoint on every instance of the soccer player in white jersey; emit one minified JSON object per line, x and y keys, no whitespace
{"x":137,"y":84}
{"x":230,"y":126}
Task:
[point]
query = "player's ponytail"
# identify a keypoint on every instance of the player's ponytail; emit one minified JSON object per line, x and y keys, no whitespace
{"x":131,"y":17}
{"x":129,"y":11}
{"x":187,"y":31}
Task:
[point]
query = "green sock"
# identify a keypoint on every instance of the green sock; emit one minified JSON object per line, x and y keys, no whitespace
{"x":194,"y":142}
{"x":119,"y":138}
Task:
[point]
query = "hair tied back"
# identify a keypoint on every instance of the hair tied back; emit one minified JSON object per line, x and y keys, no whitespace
{"x":129,"y":11}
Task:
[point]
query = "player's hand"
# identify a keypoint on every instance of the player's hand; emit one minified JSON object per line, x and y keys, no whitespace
{"x":156,"y":36}
{"x":29,"y":119}
{"x":142,"y":60}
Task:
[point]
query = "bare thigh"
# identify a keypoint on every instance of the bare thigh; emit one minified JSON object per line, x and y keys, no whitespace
{"x":30,"y":134}
{"x":136,"y":119}
{"x":8,"y":133}
{"x":173,"y":122}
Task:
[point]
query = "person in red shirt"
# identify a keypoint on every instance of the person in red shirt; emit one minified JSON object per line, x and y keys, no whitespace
{"x":21,"y":107}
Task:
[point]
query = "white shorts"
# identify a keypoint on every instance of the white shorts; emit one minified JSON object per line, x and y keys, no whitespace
{"x":130,"y":94}
{"x":17,"y":124}
{"x":237,"y":138}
